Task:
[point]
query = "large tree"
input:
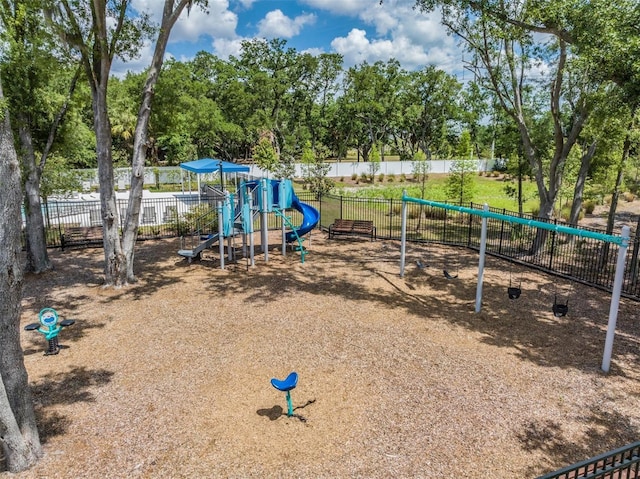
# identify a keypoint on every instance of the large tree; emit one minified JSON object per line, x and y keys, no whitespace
{"x":98,"y":30}
{"x":580,"y":45}
{"x":18,"y":432}
{"x":428,"y":110}
{"x":508,"y":41}
{"x":38,"y":99}
{"x":369,"y":103}
{"x":170,"y":14}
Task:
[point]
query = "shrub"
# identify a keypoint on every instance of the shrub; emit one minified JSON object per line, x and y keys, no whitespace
{"x":354,"y":176}
{"x":381,"y":177}
{"x":413,"y":213}
{"x":565,"y":212}
{"x":342,"y":179}
{"x":589,"y":206}
{"x":391,"y":177}
{"x":435,"y":213}
{"x":403,"y":178}
{"x":607,"y":199}
{"x":364,"y":178}
{"x":628,"y":197}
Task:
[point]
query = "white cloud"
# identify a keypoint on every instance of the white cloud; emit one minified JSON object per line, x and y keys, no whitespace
{"x":313,"y":51}
{"x":246,"y":4}
{"x":120,"y":68}
{"x":340,"y":7}
{"x":413,"y":38}
{"x":277,"y":24}
{"x":356,"y":48}
{"x":224,"y":48}
{"x":216,"y":21}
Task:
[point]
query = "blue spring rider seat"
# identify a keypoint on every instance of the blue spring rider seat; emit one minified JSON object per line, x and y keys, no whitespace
{"x":286,"y":385}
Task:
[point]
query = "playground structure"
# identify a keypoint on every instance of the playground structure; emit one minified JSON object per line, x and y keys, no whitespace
{"x":559,"y":309}
{"x":236,"y":213}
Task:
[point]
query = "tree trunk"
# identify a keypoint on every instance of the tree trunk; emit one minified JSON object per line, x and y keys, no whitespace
{"x":18,"y":432}
{"x":37,"y":255}
{"x":130,"y":233}
{"x":115,"y":263}
{"x":578,"y":191}
{"x":615,"y":196}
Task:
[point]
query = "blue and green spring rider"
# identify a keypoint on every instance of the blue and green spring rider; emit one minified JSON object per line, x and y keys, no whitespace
{"x":49,"y":327}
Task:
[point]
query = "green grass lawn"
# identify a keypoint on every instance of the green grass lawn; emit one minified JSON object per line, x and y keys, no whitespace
{"x":490,"y":190}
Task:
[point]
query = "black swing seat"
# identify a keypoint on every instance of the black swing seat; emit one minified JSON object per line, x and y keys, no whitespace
{"x":32,"y":327}
{"x":560,"y":309}
{"x":447,"y":275}
{"x":514,"y":293}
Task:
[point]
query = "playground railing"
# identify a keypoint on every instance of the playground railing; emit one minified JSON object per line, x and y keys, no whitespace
{"x":622,"y":463}
{"x":580,"y":259}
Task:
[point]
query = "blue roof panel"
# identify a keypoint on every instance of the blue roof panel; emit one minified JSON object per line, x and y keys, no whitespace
{"x":212,"y":165}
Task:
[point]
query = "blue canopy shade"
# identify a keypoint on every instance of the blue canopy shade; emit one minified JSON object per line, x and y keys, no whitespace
{"x":211,"y":165}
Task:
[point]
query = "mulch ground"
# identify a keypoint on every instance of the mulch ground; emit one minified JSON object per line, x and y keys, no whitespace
{"x":399,"y":377}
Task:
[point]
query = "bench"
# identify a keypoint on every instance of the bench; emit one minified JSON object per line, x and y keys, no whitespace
{"x":81,"y":236}
{"x":352,"y":227}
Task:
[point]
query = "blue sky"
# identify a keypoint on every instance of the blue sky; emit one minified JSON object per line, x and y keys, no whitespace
{"x":360,"y":30}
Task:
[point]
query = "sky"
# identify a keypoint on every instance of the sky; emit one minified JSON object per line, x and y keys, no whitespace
{"x":359,"y":30}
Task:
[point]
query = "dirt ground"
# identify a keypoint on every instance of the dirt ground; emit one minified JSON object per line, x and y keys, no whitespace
{"x":398,"y":377}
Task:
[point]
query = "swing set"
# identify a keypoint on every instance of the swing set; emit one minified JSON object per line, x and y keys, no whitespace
{"x":559,"y":308}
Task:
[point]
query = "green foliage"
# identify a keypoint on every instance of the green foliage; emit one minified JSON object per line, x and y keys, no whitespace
{"x":264,"y":154}
{"x":200,"y":219}
{"x":314,"y":172}
{"x":465,"y":148}
{"x":374,"y":162}
{"x":58,"y":179}
{"x":589,"y":206}
{"x":461,"y":181}
{"x":421,"y":168}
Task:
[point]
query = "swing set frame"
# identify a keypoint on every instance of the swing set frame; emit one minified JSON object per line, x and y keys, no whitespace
{"x":622,"y":241}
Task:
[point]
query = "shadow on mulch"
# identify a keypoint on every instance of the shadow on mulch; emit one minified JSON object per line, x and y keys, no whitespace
{"x":77,"y":385}
{"x":275,"y":412}
{"x":608,"y":431}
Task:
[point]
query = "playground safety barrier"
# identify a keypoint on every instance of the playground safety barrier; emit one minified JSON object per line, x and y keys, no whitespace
{"x":583,"y":259}
{"x":580,"y":259}
{"x":622,"y":463}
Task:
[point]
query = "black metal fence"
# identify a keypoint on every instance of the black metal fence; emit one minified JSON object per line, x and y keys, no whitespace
{"x":177,"y":215}
{"x":580,"y":259}
{"x":585,"y":260}
{"x":622,"y":463}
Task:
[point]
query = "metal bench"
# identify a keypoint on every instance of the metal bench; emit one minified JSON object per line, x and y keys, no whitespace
{"x":352,"y":227}
{"x":81,"y":236}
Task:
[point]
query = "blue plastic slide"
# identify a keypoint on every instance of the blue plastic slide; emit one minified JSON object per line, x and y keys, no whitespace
{"x":310,"y":215}
{"x":310,"y":218}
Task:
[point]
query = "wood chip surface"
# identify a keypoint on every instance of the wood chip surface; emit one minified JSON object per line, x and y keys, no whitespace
{"x":398,"y":377}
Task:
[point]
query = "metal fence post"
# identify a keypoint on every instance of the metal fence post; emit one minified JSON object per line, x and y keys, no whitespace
{"x":553,"y":245}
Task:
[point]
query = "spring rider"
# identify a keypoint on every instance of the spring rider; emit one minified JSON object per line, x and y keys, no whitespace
{"x":50,"y":328}
{"x":286,"y":385}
